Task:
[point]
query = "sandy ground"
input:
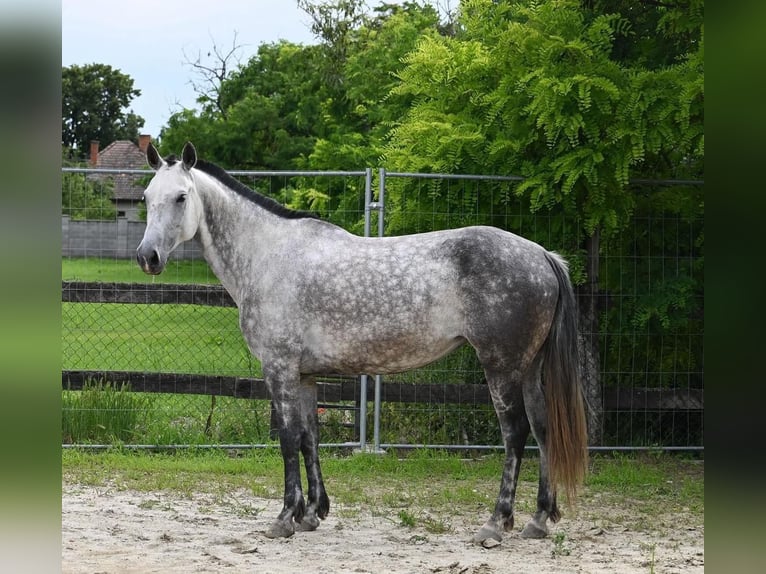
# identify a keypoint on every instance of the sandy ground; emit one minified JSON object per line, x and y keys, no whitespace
{"x":111,"y":530}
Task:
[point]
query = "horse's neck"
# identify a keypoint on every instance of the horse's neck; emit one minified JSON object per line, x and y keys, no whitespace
{"x":228,"y":234}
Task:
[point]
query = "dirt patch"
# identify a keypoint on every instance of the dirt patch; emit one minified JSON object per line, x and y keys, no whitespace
{"x":112,"y":530}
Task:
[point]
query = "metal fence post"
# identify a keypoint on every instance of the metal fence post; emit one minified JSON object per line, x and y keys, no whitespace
{"x":376,"y":408}
{"x":363,"y":412}
{"x":363,"y":378}
{"x":381,"y":199}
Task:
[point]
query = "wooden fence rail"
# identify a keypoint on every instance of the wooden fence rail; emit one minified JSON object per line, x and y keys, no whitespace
{"x":340,"y":389}
{"x":145,"y":293}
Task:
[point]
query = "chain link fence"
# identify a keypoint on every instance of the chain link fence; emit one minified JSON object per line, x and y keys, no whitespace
{"x":159,"y":361}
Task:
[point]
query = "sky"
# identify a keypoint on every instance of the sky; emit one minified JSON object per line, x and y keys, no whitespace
{"x":146,"y":39}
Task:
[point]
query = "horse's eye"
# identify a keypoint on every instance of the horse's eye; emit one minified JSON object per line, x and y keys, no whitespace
{"x":181,"y":198}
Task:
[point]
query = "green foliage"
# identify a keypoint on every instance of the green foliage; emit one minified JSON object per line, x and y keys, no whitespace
{"x":531,"y":88}
{"x":657,"y":282}
{"x":93,"y":100}
{"x":358,"y":118}
{"x":271,"y":115}
{"x":407,"y":519}
{"x":108,"y":413}
{"x":441,"y":424}
{"x":83,"y":198}
{"x":333,"y":22}
{"x":311,"y":199}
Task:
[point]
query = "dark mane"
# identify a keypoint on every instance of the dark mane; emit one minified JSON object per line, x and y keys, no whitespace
{"x":265,"y":202}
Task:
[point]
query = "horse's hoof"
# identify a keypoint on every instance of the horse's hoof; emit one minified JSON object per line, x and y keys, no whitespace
{"x":486,"y":533}
{"x":533,"y":530}
{"x":323,"y":507}
{"x":308,"y":524}
{"x":280,"y":529}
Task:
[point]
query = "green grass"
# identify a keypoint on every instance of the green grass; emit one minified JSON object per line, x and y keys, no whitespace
{"x":421,"y":489}
{"x":165,"y":338}
{"x":127,"y":271}
{"x":645,"y":476}
{"x":106,"y":414}
{"x":644,"y":485}
{"x":154,"y":338}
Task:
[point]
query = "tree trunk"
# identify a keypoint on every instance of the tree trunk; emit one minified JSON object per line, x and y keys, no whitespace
{"x":588,"y":305}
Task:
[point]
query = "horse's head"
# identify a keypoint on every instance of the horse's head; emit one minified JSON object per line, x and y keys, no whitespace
{"x":173,"y":208}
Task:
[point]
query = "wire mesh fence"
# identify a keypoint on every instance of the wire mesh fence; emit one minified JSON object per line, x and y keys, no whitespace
{"x":646,"y":326}
{"x":647,"y":331}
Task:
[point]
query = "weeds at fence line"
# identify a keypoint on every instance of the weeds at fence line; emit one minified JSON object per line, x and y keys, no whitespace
{"x":109,"y":413}
{"x":102,"y":412}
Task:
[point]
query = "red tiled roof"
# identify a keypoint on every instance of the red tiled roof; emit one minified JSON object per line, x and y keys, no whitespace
{"x":123,"y":154}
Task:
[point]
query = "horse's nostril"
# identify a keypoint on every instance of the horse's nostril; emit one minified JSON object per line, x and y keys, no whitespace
{"x":148,"y":259}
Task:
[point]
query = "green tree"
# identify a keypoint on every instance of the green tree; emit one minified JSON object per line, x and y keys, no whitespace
{"x":265,"y":115}
{"x":85,"y":199}
{"x":94,"y":98}
{"x":373,"y":57}
{"x":363,"y":52}
{"x":531,"y":88}
{"x":324,"y":106}
{"x":556,"y":92}
{"x":334,"y":22}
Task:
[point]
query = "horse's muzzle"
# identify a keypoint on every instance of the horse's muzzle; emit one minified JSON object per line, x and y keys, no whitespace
{"x":149,"y":260}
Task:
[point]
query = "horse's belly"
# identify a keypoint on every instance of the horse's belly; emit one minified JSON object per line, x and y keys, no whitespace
{"x":345,"y":353}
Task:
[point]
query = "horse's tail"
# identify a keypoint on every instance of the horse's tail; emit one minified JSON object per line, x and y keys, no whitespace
{"x":567,"y":436}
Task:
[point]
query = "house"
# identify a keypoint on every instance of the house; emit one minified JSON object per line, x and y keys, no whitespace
{"x":128,"y":188}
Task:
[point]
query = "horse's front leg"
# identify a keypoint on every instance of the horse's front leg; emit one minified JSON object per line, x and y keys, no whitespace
{"x":285,"y":396}
{"x":318,"y":501}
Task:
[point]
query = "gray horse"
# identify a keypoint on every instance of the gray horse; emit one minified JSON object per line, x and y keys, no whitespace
{"x":314,"y":299}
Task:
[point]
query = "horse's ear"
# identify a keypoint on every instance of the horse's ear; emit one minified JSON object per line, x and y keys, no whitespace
{"x":153,"y":157}
{"x":189,"y":156}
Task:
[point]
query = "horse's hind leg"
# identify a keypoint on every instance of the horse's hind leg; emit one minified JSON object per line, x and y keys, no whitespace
{"x":318,"y":502}
{"x":534,"y":399}
{"x":508,"y":400}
